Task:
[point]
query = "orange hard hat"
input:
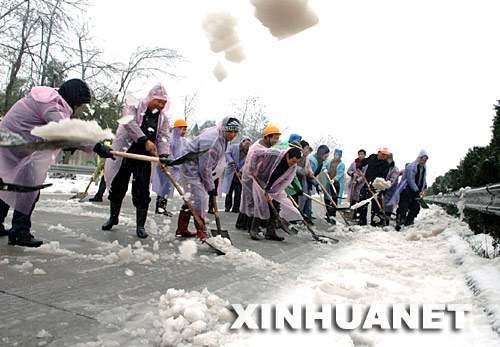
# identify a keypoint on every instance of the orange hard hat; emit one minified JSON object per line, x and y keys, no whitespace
{"x":384,"y":150}
{"x":271,"y":130}
{"x":180,"y":123}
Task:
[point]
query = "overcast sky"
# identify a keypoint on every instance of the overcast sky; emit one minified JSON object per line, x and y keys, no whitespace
{"x":399,"y":74}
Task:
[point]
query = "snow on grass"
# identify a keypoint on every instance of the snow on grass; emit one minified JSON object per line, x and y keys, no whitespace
{"x":193,"y":318}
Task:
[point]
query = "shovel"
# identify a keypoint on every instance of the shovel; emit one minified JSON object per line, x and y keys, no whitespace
{"x":21,"y":189}
{"x":195,"y":214}
{"x":186,"y":158}
{"x":283,"y":224}
{"x":83,"y":195}
{"x":422,"y":202}
{"x":374,"y":195}
{"x":219,"y":230}
{"x":316,"y":237}
{"x":237,"y":175}
{"x":333,"y":202}
{"x":347,"y":209}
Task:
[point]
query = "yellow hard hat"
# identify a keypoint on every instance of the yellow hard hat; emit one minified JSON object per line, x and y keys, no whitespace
{"x":180,"y":123}
{"x":271,"y":130}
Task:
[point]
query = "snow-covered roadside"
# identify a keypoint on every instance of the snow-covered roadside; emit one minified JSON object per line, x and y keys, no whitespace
{"x":430,"y":262}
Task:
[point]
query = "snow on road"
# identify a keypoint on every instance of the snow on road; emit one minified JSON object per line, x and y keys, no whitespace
{"x":428,"y":263}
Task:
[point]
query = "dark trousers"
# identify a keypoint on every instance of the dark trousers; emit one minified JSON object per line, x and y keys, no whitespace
{"x":363,"y":210}
{"x":21,"y":223}
{"x":236,"y":189}
{"x":102,"y":188}
{"x":141,"y":174}
{"x":408,"y":207}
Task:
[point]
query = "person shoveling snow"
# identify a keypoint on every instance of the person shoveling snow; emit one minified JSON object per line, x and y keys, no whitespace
{"x":21,"y":167}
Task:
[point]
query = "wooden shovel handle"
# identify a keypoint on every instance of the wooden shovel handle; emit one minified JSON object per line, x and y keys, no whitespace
{"x":368,"y":186}
{"x":191,"y":208}
{"x":136,"y":156}
{"x":329,"y":197}
{"x":237,"y":175}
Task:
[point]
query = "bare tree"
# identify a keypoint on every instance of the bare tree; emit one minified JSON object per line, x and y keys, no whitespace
{"x":327,"y":140}
{"x":253,"y":117}
{"x":146,"y":62}
{"x":190,"y":101}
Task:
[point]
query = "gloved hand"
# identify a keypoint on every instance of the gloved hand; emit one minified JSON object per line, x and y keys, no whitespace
{"x":213,"y":192}
{"x":300,"y":193}
{"x":103,"y":151}
{"x":233,"y":164}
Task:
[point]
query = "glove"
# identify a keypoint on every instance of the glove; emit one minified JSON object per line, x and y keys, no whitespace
{"x":300,"y":193}
{"x":213,"y":192}
{"x":103,"y":151}
{"x":233,"y":164}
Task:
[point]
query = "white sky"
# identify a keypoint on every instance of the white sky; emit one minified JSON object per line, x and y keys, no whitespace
{"x":400,"y":74}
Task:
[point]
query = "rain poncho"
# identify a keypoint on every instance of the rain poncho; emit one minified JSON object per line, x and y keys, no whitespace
{"x":264,"y":161}
{"x":41,"y":106}
{"x":161,"y":183}
{"x":296,"y":185}
{"x":392,"y":176}
{"x":233,"y":156}
{"x":408,"y":179}
{"x":199,"y":175}
{"x":131,"y":131}
{"x":353,"y":194}
{"x":339,"y":177}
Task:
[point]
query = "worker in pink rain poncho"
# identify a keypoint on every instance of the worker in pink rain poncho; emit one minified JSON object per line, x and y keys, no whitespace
{"x":17,"y":166}
{"x":270,"y":138}
{"x":199,"y":175}
{"x":143,"y":129}
{"x":275,"y":169}
{"x":161,"y":183}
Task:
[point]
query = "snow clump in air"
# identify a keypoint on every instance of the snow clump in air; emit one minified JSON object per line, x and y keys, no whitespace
{"x":193,"y":318}
{"x":285,"y":18}
{"x":380,"y":184}
{"x":220,"y":28}
{"x":73,"y":130}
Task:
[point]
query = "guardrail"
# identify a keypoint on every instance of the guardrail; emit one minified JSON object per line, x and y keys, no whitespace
{"x":74,"y":169}
{"x":484,"y":199}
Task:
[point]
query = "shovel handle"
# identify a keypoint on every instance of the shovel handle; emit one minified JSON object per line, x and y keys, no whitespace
{"x":191,"y":208}
{"x":267,"y":196}
{"x":329,"y":197}
{"x":136,"y":156}
{"x":216,"y":210}
{"x":237,"y":175}
{"x":371,"y":191}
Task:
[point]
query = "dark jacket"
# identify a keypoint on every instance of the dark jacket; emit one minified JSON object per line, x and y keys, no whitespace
{"x":376,"y":167}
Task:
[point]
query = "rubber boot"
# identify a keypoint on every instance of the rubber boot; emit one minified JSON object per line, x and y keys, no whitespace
{"x":25,"y":240}
{"x":271,"y":230}
{"x":141,"y":215}
{"x":254,"y":229}
{"x":113,"y":218}
{"x":159,"y":205}
{"x":399,"y":221}
{"x":241,"y":222}
{"x":199,"y":230}
{"x":183,"y":223}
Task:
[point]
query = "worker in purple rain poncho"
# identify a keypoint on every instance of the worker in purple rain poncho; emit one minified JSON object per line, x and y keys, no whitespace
{"x":244,"y":220}
{"x":41,"y":106}
{"x":198,"y":176}
{"x":161,"y":183}
{"x":236,"y":156}
{"x":393,"y":177}
{"x":413,"y":185}
{"x":357,"y":182}
{"x":275,"y":169}
{"x":144,"y":129}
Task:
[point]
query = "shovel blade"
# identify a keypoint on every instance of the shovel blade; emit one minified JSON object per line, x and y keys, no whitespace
{"x":79,"y":195}
{"x":186,"y":158}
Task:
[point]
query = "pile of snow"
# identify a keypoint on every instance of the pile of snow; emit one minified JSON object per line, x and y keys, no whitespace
{"x":39,"y":272}
{"x":139,"y":254}
{"x":381,"y":184}
{"x":285,"y":18}
{"x":243,"y":259}
{"x":187,"y":249}
{"x":73,"y":130}
{"x":23,"y":267}
{"x":193,"y":318}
